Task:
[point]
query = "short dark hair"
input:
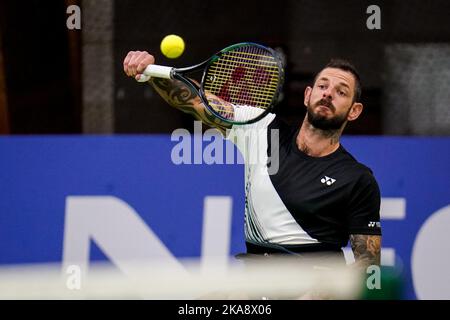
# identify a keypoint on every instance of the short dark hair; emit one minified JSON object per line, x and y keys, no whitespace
{"x":346,"y":66}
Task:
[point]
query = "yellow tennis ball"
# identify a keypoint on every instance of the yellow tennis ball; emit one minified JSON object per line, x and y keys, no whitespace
{"x":172,"y":46}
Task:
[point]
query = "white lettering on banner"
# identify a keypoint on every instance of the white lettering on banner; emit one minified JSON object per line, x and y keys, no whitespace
{"x":124,"y":237}
{"x":393,"y":208}
{"x":430,"y":257}
{"x":216,"y":232}
{"x":116,"y":228}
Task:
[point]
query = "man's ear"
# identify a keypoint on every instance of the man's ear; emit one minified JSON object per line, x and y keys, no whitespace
{"x":355,"y":110}
{"x":307,"y":95}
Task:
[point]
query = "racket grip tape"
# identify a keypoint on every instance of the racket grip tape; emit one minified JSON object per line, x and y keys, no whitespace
{"x":156,"y":71}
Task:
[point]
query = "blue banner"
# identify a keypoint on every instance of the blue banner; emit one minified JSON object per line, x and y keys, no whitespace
{"x":55,"y":190}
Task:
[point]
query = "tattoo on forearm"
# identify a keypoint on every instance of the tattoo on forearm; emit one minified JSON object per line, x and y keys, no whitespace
{"x":222,"y":107}
{"x":184,"y":98}
{"x":174,"y":92}
{"x":366,"y":249}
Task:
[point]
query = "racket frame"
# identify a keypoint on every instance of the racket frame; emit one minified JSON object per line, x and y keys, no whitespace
{"x":275,"y":98}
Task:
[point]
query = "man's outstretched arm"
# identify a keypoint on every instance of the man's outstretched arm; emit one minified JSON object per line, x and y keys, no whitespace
{"x":174,"y":92}
{"x":183,"y":97}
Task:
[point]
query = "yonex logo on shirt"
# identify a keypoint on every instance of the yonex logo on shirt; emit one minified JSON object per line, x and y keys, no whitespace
{"x":374,"y":224}
{"x":328,"y":181}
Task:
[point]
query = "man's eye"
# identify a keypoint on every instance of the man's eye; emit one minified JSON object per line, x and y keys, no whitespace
{"x":321,"y":86}
{"x":342,"y":93}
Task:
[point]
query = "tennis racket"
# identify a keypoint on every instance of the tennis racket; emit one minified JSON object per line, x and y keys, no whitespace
{"x":248,"y":76}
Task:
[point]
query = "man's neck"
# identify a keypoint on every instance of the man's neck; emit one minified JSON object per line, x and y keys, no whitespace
{"x":316,"y":142}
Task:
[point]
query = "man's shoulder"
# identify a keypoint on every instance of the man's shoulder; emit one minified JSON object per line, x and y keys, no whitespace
{"x":285,"y":129}
{"x":281,"y":122}
{"x":358,"y":169}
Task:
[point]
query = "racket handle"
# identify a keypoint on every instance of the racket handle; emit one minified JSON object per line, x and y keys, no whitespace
{"x":156,"y":71}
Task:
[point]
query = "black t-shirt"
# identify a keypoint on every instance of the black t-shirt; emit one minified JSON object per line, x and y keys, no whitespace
{"x":295,"y":199}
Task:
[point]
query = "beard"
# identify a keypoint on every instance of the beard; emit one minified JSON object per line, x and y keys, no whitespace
{"x":321,"y":122}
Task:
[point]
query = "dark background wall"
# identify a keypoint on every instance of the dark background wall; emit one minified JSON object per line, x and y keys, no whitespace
{"x":42,"y":96}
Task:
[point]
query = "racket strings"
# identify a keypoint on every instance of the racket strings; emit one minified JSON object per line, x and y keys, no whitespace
{"x":227,"y":72}
{"x":225,"y":69}
{"x":249,"y":61}
{"x":259,"y":101}
{"x":246,"y":76}
{"x":266,"y":91}
{"x":221,"y":107}
{"x":261,"y":55}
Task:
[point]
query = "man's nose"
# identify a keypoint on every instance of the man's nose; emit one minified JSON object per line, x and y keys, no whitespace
{"x":327,"y":94}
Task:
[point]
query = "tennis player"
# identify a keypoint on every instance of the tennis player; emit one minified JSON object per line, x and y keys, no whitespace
{"x":319,"y":197}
